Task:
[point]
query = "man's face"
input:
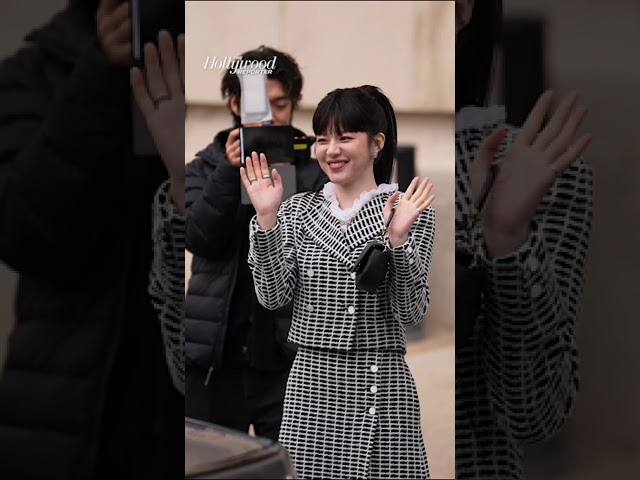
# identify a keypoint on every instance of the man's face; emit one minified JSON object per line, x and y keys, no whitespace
{"x":281,"y":104}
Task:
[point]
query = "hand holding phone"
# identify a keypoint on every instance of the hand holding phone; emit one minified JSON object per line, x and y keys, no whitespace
{"x":113,"y":25}
{"x":232,"y":148}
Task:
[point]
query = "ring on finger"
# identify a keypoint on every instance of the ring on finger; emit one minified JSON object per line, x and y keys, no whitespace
{"x":161,"y":98}
{"x":251,"y":180}
{"x":266,"y":176}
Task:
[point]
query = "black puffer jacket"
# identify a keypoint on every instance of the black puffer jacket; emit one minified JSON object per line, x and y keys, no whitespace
{"x":217,"y":235}
{"x":85,"y":384}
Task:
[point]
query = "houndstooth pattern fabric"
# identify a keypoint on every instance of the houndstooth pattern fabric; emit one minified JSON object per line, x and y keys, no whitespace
{"x":517,"y":380}
{"x":166,"y":280}
{"x":351,"y":407}
{"x":356,"y":416}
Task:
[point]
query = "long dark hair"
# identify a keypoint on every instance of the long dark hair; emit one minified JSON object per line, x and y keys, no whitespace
{"x":475,"y":47}
{"x":361,"y":109}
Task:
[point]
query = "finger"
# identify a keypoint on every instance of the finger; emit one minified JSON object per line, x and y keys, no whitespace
{"x":152,"y":69}
{"x":170,"y":67}
{"x":181,"y":57}
{"x":121,"y":33}
{"x":140,"y":92}
{"x":425,"y":193}
{"x":573,"y":153}
{"x":389,"y":205}
{"x":553,"y":128}
{"x":424,"y":205}
{"x":109,"y":21}
{"x":567,"y":135}
{"x":490,"y":145}
{"x":234,"y":151}
{"x":534,"y":121}
{"x":106,"y":7}
{"x":416,"y":195}
{"x":277,"y":179}
{"x":250,"y":169}
{"x":392,"y":200}
{"x":122,"y":53}
{"x":234,"y":135}
{"x":244,"y":178}
{"x":410,"y":189}
{"x":264,"y":167}
{"x":255,"y":163}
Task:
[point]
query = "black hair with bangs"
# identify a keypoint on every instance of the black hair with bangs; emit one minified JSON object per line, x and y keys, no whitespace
{"x":361,"y":109}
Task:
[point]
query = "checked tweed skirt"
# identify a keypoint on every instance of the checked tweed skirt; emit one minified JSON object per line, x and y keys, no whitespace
{"x":353,"y":414}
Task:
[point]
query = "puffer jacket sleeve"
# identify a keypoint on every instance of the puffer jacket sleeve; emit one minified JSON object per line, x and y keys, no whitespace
{"x":409,"y":271}
{"x":212,"y":190}
{"x":63,"y":142}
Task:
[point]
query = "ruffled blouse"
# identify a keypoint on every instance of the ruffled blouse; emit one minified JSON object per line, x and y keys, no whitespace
{"x":345,"y":215}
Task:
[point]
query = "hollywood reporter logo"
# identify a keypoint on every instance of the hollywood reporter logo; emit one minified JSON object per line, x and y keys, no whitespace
{"x":236,"y":65}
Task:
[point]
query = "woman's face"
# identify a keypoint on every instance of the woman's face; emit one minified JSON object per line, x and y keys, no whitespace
{"x":347,"y":157}
{"x":464,"y":9}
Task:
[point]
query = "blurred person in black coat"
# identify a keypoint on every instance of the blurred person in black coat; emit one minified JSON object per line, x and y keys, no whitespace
{"x":85,"y":392}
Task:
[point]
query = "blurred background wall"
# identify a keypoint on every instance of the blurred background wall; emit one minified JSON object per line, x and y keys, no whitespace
{"x":405,"y":48}
{"x":592,"y":47}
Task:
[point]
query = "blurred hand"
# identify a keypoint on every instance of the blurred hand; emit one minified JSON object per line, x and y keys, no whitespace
{"x":114,"y":31}
{"x":529,"y":170}
{"x":411,"y":205}
{"x":163,"y":105}
{"x":232,"y":148}
{"x":265,"y":195}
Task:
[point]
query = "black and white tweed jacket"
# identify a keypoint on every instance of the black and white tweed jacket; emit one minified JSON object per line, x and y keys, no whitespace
{"x":306,"y":258}
{"x":351,"y":407}
{"x":517,"y":381}
{"x":166,"y":280}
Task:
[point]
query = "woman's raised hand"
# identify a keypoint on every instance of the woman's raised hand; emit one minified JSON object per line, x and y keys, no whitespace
{"x":163,"y":105}
{"x":538,"y":155}
{"x":265,"y":191}
{"x":414,"y":201}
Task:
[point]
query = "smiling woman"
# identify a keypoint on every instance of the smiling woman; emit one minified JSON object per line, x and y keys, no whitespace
{"x":351,"y":405}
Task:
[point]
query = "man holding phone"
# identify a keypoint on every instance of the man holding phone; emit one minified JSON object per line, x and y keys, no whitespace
{"x":237,"y":358}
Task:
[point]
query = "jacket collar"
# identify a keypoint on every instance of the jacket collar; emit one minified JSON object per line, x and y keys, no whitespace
{"x":324,"y":228}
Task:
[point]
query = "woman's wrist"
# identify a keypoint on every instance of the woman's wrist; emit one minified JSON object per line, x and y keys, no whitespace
{"x":499,"y":244}
{"x":397,"y":240}
{"x":267,"y":221}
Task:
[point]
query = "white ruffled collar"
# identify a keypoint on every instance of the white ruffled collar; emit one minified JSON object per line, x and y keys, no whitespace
{"x":472,"y":116}
{"x":346,"y":215}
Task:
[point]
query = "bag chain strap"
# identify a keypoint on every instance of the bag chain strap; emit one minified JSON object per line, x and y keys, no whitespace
{"x":382,"y":237}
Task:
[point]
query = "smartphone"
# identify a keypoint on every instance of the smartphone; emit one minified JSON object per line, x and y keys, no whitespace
{"x":148,"y":17}
{"x":276,"y":142}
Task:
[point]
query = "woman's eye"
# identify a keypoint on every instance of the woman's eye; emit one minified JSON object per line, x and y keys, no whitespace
{"x":344,"y":137}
